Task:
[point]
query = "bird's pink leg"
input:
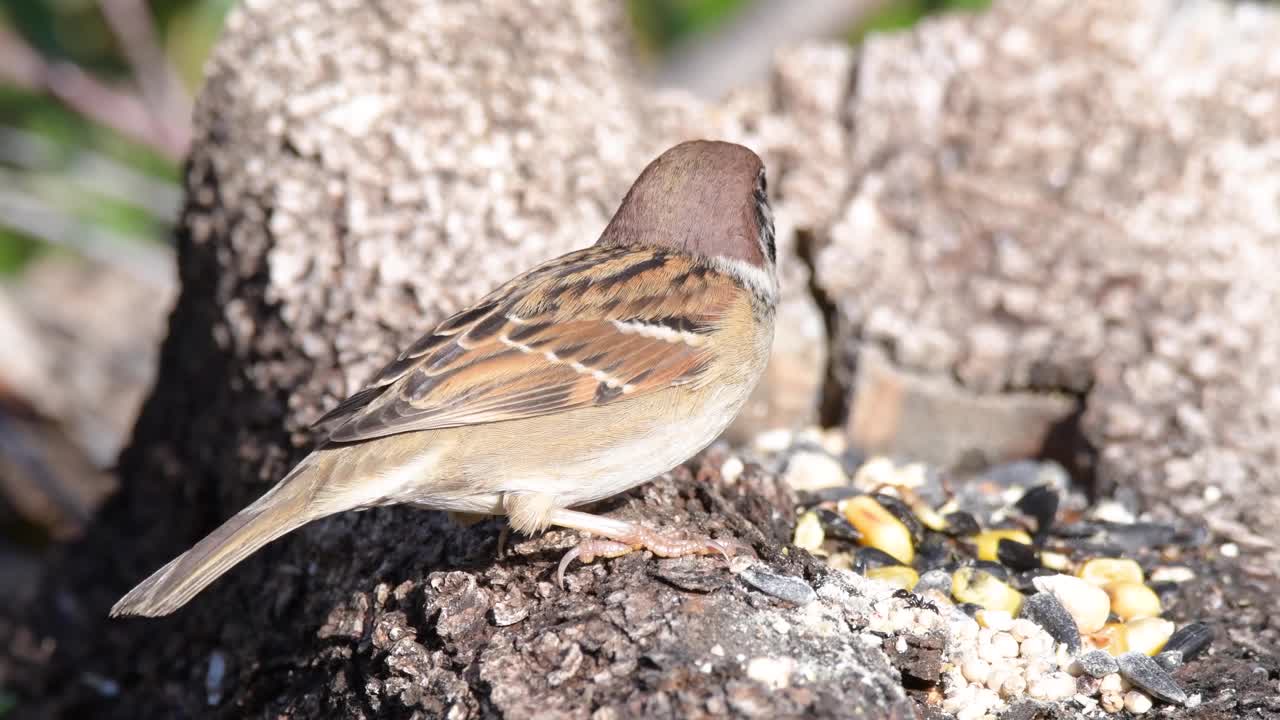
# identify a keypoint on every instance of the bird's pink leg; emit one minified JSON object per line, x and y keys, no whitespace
{"x":615,"y":538}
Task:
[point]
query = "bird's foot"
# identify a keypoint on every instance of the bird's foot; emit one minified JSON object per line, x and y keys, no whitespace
{"x":662,"y":544}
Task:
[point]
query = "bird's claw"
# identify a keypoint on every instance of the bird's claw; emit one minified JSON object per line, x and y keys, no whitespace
{"x":659,"y":544}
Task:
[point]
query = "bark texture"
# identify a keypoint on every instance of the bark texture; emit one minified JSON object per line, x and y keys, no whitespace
{"x":1072,"y":198}
{"x":1082,"y":199}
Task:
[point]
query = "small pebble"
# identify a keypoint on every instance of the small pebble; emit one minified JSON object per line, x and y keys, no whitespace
{"x":1144,"y":673}
{"x":811,"y":471}
{"x":1229,"y":550}
{"x":771,"y":442}
{"x":732,"y":469}
{"x":1086,"y":703}
{"x":939,"y":580}
{"x":1111,"y":701}
{"x":1169,"y":660}
{"x":785,"y":587}
{"x":1087,"y":685}
{"x":1175,"y":574}
{"x":1136,"y":702}
{"x":1098,"y":663}
{"x":773,"y":673}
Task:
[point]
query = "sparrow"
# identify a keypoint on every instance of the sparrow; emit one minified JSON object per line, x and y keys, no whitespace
{"x":582,"y":378}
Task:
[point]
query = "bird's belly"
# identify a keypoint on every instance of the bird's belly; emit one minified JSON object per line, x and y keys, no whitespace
{"x":594,"y":455}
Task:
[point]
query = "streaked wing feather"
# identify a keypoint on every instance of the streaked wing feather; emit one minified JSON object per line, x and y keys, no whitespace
{"x":525,"y":351}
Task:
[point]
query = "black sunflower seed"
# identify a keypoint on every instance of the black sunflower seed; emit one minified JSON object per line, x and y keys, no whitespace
{"x":1143,"y":672}
{"x":1049,"y":613}
{"x":837,"y":527}
{"x":867,"y":558}
{"x":961,"y":524}
{"x":1041,"y":503}
{"x":1017,"y":556}
{"x":1190,"y":640}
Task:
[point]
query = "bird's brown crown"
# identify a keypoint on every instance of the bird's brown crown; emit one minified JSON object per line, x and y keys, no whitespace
{"x":705,"y":197}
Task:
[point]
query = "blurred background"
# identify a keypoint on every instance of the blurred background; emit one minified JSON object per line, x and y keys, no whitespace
{"x":95,"y":119}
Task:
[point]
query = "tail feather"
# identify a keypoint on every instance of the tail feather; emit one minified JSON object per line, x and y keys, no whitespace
{"x":172,"y":586}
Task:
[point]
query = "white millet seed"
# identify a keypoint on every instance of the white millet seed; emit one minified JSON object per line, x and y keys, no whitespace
{"x":1112,"y":682}
{"x":1037,"y":645}
{"x":996,"y":678}
{"x":986,"y":699}
{"x":1004,"y":645}
{"x":975,"y":670}
{"x":1023,"y":629}
{"x":1038,"y":666}
{"x":999,"y":620}
{"x":961,"y":697}
{"x":1136,"y":702}
{"x":1058,"y":686}
{"x":1014,"y":687}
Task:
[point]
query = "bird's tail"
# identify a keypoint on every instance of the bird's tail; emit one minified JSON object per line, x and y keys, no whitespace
{"x":284,"y":508}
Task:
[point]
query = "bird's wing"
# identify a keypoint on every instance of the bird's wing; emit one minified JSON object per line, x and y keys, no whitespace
{"x":593,"y":327}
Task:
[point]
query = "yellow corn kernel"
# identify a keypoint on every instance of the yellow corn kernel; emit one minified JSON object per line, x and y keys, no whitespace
{"x":928,"y":516}
{"x":879,"y":528}
{"x":1055,"y":560}
{"x":1147,"y":635}
{"x":899,"y":576}
{"x":1131,"y":600}
{"x":1104,"y":571}
{"x":989,"y":541}
{"x":986,"y":590}
{"x":1110,"y":638}
{"x":809,"y":534}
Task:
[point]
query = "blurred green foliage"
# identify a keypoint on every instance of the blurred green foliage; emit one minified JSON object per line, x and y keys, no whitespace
{"x":60,"y":171}
{"x":901,"y":14}
{"x":71,"y":177}
{"x":662,"y":23}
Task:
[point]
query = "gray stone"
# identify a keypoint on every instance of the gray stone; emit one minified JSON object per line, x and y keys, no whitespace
{"x":785,"y":587}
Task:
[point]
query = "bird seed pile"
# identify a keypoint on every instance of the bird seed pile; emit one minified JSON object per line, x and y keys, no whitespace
{"x":1045,"y":595}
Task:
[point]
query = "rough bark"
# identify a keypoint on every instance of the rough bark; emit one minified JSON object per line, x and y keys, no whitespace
{"x":1081,"y":199}
{"x":1058,"y":197}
